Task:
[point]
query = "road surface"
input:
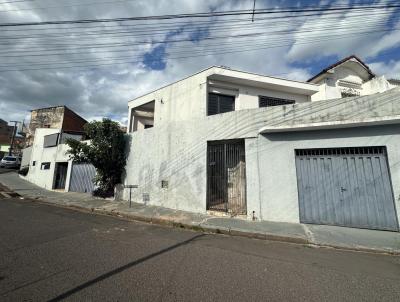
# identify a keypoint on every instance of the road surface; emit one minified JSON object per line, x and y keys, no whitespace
{"x":54,"y":254}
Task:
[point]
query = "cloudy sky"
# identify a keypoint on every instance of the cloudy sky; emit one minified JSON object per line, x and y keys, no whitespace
{"x":96,"y":68}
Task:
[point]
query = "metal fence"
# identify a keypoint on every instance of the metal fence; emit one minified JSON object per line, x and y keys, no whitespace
{"x":82,"y":176}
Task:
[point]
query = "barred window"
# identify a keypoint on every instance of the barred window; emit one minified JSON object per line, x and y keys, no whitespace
{"x":219,"y":103}
{"x":267,"y":101}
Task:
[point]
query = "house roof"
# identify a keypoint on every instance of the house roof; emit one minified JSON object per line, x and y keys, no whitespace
{"x":255,"y":75}
{"x":44,"y":108}
{"x":354,"y":57}
{"x":60,"y":106}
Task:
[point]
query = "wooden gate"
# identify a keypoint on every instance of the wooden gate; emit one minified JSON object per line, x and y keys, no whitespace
{"x":226,"y":177}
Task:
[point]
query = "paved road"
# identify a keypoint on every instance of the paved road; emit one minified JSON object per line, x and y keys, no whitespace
{"x":52,"y":254}
{"x":4,"y":170}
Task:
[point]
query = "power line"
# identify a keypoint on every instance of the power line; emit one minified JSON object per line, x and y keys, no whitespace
{"x":190,"y":22}
{"x":204,"y":15}
{"x":61,"y":6}
{"x":202,"y":48}
{"x":133,"y":32}
{"x":278,"y":45}
{"x":46,"y":52}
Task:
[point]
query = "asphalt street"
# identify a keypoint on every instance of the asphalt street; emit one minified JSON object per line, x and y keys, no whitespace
{"x":49,"y":253}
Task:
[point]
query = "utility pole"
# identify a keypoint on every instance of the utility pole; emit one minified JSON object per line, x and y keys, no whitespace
{"x":254,"y":10}
{"x":13,"y":136}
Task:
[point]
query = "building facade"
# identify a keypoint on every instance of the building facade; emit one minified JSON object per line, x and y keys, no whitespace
{"x":6,"y":133}
{"x":46,"y":160}
{"x":50,"y":167}
{"x":271,"y":149}
{"x":59,"y":117}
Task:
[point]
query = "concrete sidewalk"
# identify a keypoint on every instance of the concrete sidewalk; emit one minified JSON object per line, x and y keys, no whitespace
{"x":314,"y":235}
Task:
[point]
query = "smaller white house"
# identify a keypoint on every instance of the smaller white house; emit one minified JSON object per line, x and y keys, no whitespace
{"x":50,"y":167}
{"x":346,"y":78}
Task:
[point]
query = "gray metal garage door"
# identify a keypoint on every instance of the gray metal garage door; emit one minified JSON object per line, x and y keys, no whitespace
{"x":346,"y":187}
{"x":82,"y":178}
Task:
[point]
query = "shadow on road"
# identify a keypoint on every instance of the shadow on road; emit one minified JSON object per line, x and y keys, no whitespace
{"x":121,"y":269}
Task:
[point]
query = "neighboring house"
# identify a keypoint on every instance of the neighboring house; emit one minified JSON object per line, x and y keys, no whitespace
{"x":271,"y":149}
{"x":59,"y":117}
{"x":346,"y":78}
{"x":6,"y":133}
{"x":48,"y":163}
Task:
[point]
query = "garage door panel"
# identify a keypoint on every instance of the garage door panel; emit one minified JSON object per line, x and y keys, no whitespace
{"x":346,"y":187}
{"x":82,"y":175}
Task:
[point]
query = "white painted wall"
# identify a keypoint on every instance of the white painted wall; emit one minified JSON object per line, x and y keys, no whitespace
{"x":278,"y":192}
{"x":186,"y":100}
{"x":45,"y":178}
{"x":176,"y":152}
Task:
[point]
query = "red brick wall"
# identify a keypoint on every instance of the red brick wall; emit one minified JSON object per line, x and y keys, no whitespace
{"x":72,"y":121}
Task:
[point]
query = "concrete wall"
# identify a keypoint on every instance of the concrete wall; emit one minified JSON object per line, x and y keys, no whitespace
{"x":26,"y":156}
{"x":275,"y":157}
{"x":186,"y":100}
{"x":176,"y":151}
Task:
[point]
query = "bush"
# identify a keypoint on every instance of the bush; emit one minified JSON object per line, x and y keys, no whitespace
{"x":106,"y":152}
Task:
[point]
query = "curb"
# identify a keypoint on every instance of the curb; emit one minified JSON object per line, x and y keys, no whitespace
{"x":208,"y":229}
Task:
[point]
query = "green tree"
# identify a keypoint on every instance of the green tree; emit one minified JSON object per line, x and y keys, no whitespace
{"x":106,"y":152}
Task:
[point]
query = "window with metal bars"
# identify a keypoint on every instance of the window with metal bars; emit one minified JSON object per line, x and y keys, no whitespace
{"x":220,"y":103}
{"x":267,"y":101}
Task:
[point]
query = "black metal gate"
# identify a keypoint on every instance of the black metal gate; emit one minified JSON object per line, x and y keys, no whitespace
{"x":226,"y":177}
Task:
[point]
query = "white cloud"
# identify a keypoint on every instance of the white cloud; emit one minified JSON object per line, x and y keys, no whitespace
{"x":342,"y":34}
{"x":390,"y":69}
{"x":105,"y":91}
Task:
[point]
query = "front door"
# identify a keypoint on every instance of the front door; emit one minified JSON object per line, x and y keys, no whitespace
{"x":226,"y":177}
{"x":61,"y":175}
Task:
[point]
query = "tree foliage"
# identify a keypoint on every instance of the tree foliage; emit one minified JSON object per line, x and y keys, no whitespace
{"x":106,"y":152}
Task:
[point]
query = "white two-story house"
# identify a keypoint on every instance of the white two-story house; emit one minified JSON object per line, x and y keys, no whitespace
{"x":325,"y":151}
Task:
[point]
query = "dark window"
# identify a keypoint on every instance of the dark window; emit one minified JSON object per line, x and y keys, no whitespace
{"x":10,"y":158}
{"x":346,"y":94}
{"x":164,"y":184}
{"x":50,"y":140}
{"x":146,"y":197}
{"x":218,"y":103}
{"x":267,"y":101}
{"x":148,"y":126}
{"x":45,"y":166}
{"x":33,"y":163}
